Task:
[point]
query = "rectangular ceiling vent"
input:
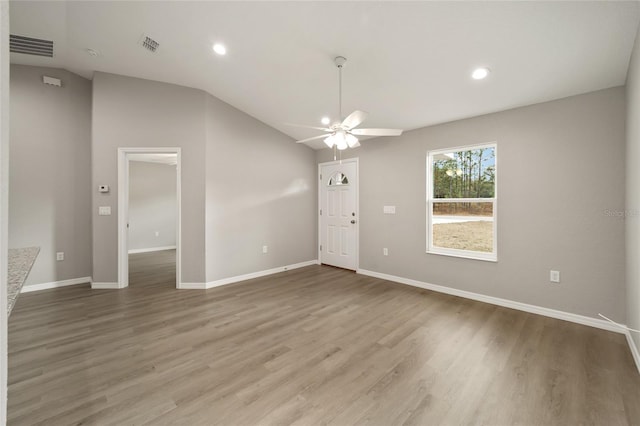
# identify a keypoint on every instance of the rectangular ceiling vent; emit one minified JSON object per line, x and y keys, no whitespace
{"x":30,"y":46}
{"x":149,"y":43}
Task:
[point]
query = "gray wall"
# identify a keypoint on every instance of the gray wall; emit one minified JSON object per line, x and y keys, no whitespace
{"x":152,"y":205}
{"x":49,"y":188}
{"x":633,"y":192}
{"x":560,"y":169}
{"x":132,"y":112}
{"x":244,"y":185}
{"x":261,"y":190}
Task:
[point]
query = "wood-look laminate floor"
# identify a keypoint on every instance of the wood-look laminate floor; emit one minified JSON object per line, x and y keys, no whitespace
{"x":152,"y":268}
{"x":316,"y":345}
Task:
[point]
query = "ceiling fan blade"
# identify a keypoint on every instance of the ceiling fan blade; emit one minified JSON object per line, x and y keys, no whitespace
{"x":311,"y":139}
{"x":324,"y":129}
{"x":355,"y":118}
{"x":377,"y":132}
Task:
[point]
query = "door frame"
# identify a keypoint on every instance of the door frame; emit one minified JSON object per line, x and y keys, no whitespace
{"x":123,"y":209}
{"x":355,"y":160}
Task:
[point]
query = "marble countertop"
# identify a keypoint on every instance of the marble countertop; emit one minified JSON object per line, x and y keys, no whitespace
{"x":19,"y":264}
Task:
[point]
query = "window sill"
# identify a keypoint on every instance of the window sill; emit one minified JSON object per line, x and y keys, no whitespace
{"x":465,"y":255}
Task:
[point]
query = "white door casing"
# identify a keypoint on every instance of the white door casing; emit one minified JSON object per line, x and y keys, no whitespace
{"x":123,"y":210}
{"x":338,"y":224}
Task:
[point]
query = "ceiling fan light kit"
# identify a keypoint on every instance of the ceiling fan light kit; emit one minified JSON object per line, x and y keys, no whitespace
{"x":342,"y":140}
{"x":342,"y":133}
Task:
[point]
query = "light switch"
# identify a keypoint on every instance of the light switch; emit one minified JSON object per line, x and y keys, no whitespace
{"x":104,"y":210}
{"x":389,"y":209}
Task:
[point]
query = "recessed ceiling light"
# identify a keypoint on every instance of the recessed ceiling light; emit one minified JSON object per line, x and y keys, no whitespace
{"x":480,"y":73}
{"x":220,"y":49}
{"x":325,"y":120}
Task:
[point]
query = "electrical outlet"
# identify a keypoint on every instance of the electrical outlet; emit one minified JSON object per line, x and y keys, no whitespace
{"x":385,"y":251}
{"x":554,"y":276}
{"x":60,"y":255}
{"x":265,"y":249}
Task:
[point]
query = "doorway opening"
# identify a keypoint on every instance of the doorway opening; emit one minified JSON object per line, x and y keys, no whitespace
{"x":149,"y":217}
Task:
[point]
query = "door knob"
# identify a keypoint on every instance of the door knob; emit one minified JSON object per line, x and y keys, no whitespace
{"x":353,"y":221}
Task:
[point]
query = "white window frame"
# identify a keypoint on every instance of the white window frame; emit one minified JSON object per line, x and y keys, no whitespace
{"x":468,"y":254}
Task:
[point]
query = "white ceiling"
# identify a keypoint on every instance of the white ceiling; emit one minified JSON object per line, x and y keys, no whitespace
{"x":409,"y":63}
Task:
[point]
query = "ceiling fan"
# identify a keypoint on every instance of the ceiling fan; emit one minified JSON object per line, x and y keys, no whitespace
{"x":342,"y":135}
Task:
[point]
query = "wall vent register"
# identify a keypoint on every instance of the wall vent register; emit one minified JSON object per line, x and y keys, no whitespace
{"x":30,"y":46}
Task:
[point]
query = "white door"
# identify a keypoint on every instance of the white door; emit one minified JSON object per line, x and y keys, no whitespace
{"x":338,"y":215}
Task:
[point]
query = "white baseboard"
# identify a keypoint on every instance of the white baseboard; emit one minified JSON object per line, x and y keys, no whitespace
{"x":104,"y":286}
{"x":55,"y":284}
{"x":566,"y":316}
{"x":192,"y":286}
{"x":224,"y":281}
{"x":148,"y":250}
{"x":231,"y":280}
{"x":634,"y":349}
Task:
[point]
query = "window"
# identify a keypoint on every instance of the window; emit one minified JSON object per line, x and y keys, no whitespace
{"x":338,"y":179}
{"x":461,"y":202}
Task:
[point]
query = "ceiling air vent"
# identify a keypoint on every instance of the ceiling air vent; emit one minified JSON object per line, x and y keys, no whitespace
{"x":30,"y":46}
{"x":149,"y":43}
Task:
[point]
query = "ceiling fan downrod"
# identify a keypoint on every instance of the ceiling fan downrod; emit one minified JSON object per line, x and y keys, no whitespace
{"x":340,"y":61}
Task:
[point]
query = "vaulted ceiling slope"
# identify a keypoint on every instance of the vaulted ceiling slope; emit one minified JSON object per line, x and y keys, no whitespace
{"x":409,"y":63}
